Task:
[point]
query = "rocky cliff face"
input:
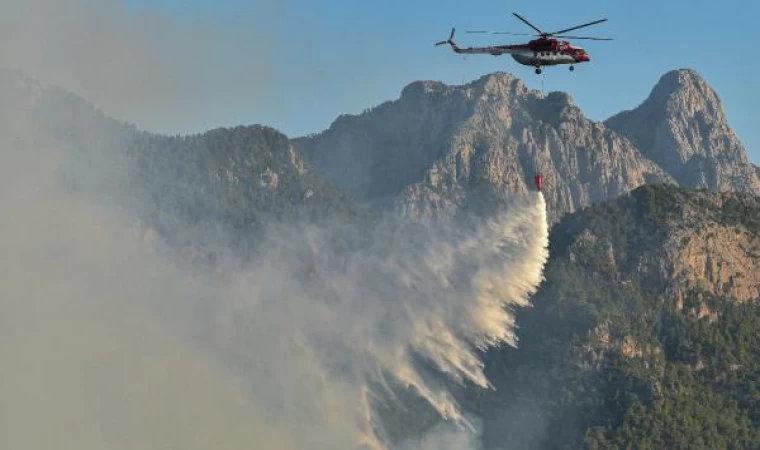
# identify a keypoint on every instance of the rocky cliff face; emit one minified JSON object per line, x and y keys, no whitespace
{"x":720,"y":259}
{"x":439,"y":149}
{"x":676,"y":241}
{"x":682,"y":127}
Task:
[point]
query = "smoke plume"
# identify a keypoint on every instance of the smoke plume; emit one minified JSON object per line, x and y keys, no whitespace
{"x":111,"y":341}
{"x":83,"y":365}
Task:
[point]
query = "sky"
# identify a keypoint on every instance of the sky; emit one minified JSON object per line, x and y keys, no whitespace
{"x":297,"y":65}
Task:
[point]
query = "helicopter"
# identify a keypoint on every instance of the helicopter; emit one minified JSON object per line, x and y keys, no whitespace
{"x":544,"y":51}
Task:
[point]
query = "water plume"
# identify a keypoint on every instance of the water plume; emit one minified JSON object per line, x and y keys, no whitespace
{"x":345,"y":313}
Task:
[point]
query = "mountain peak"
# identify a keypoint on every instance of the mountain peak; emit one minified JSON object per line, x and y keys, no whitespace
{"x":682,"y":127}
{"x":492,"y":83}
{"x":498,"y":79}
{"x":501,"y":84}
{"x":685,"y":90}
{"x":424,"y":87}
{"x":682,"y":76}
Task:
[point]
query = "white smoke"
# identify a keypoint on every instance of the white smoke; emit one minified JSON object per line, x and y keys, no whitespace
{"x":444,"y":437}
{"x":85,"y":365}
{"x":111,"y":341}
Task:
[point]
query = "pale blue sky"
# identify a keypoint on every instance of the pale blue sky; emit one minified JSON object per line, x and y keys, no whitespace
{"x":328,"y":57}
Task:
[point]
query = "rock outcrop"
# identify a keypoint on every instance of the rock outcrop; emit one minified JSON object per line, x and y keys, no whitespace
{"x":721,"y":259}
{"x":673,"y":240}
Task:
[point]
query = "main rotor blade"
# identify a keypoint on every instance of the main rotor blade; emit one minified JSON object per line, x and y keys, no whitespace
{"x":499,"y":32}
{"x":584,"y":37}
{"x":528,"y":23}
{"x":579,"y":26}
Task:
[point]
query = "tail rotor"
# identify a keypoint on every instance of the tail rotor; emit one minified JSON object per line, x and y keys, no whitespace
{"x":449,"y":41}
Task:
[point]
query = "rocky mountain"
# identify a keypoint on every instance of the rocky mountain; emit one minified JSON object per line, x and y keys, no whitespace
{"x":644,"y":331}
{"x":682,"y":127}
{"x":440,"y":149}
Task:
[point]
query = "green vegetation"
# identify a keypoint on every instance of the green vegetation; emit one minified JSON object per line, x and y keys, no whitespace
{"x":609,"y":360}
{"x":235,"y":181}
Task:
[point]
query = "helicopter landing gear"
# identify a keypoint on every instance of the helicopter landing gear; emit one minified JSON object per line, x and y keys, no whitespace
{"x":572,"y":68}
{"x":538,"y":71}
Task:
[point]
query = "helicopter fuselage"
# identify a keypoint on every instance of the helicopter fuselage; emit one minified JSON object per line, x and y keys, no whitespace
{"x":537,"y":53}
{"x":550,"y":52}
{"x":530,"y":58}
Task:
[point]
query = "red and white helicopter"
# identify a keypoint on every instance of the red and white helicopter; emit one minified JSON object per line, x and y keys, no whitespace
{"x":544,"y":51}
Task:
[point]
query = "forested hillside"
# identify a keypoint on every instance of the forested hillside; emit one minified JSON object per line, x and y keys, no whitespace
{"x":623,"y":349}
{"x":237,"y":179}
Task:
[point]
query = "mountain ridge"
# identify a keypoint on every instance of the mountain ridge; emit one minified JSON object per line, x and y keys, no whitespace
{"x":441,"y":150}
{"x":488,"y":137}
